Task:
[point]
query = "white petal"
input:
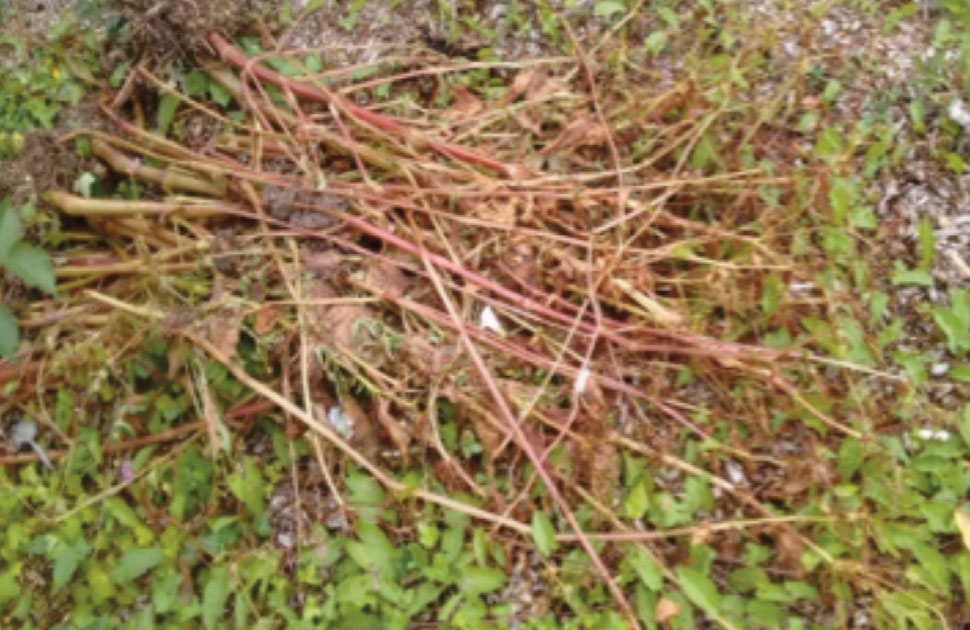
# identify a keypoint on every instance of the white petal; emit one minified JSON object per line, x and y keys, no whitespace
{"x":489,"y":320}
{"x":582,"y":379}
{"x":341,"y":422}
{"x":958,"y":111}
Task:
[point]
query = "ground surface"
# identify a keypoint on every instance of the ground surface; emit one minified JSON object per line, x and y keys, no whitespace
{"x":702,"y":266}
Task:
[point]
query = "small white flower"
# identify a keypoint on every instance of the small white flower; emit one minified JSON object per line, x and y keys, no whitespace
{"x":929,"y":433}
{"x":734,"y":472}
{"x":582,"y":379}
{"x":341,"y":422}
{"x":488,"y":320}
{"x":958,"y":111}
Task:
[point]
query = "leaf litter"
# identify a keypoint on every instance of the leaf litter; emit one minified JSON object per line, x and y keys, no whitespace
{"x":609,"y":314}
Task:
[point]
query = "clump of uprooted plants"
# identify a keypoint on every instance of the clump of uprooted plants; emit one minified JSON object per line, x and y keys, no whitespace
{"x":568,"y":270}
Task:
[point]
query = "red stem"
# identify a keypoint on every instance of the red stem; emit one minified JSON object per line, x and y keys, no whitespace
{"x":230,"y":54}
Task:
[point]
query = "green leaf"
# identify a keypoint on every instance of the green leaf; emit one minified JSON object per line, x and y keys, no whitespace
{"x":927,"y":243}
{"x":67,"y":562}
{"x":196,"y":83}
{"x":136,"y":563}
{"x":9,"y":332}
{"x":607,"y":8}
{"x":772,"y":289}
{"x":32,"y":265}
{"x":636,"y":502}
{"x":832,"y":89}
{"x":11,"y":228}
{"x":646,"y":568}
{"x":166,"y":112}
{"x":954,"y":327}
{"x":373,"y":551}
{"x":699,"y":589}
{"x":829,"y":142}
{"x":965,"y":425}
{"x":214,"y":596}
{"x":479,"y":580}
{"x":960,"y":372}
{"x":543,"y":533}
{"x":219,"y":93}
{"x":428,"y":534}
{"x":841,"y":197}
{"x":920,"y":277}
{"x":165,"y":589}
{"x":655,"y":42}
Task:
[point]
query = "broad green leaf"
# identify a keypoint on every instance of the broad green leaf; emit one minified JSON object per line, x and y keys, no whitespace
{"x":669,"y":17}
{"x":219,"y":93}
{"x":960,"y":372}
{"x":196,"y":83}
{"x":841,"y":197}
{"x":9,"y":588}
{"x":66,"y":563}
{"x":955,"y":329}
{"x":136,"y":563}
{"x":920,"y":277}
{"x":9,"y":332}
{"x":636,"y":502}
{"x":829,"y":142}
{"x":428,"y":534}
{"x":832,"y":89}
{"x":607,"y":8}
{"x":479,"y":580}
{"x":167,"y":105}
{"x":32,"y":265}
{"x":772,"y":289}
{"x":699,"y":589}
{"x":11,"y":228}
{"x":655,"y":42}
{"x":543,"y":533}
{"x":373,"y":551}
{"x":124,"y":514}
{"x":214,"y":596}
{"x":248,"y":488}
{"x":165,"y":588}
{"x":646,"y":568}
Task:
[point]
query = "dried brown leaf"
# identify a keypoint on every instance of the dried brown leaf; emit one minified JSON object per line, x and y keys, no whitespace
{"x":666,"y":610}
{"x":585,"y":131}
{"x":266,"y":318}
{"x":466,"y":105}
{"x":224,"y":326}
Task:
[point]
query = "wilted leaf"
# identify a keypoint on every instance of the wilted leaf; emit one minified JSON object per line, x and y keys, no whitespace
{"x":543,"y":533}
{"x":581,"y":132}
{"x":963,"y":524}
{"x":666,"y":610}
{"x":466,"y":105}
